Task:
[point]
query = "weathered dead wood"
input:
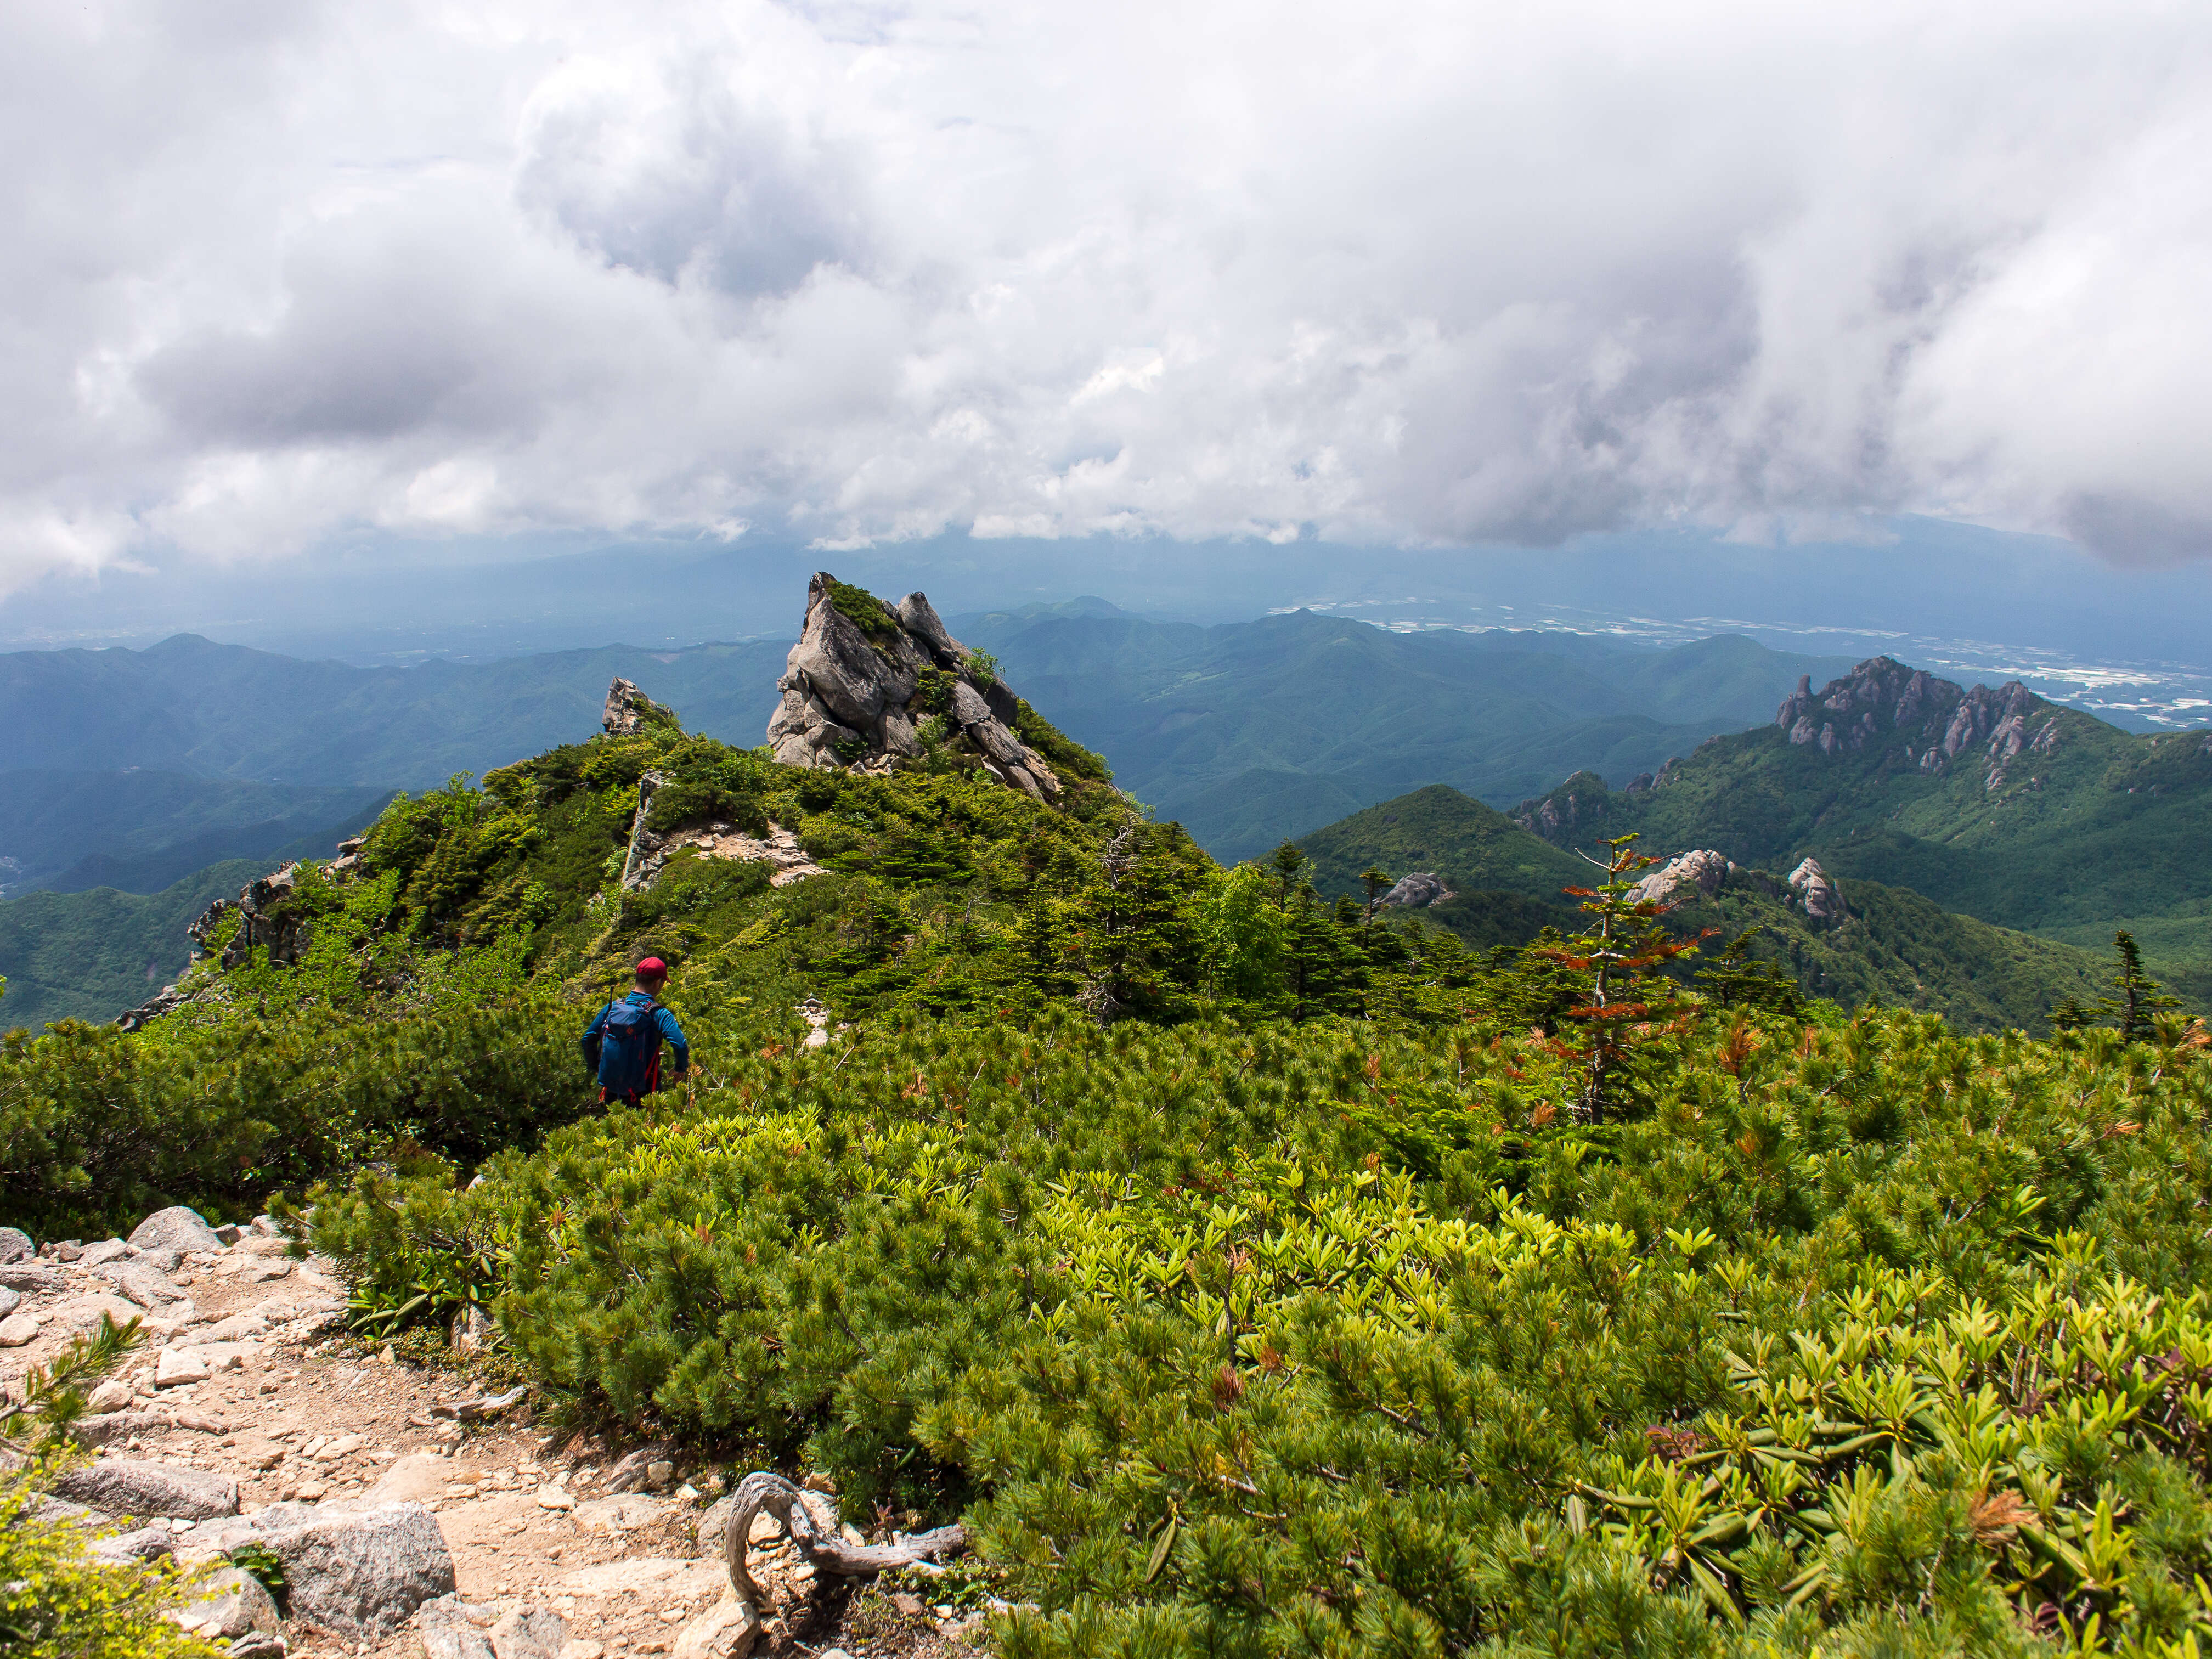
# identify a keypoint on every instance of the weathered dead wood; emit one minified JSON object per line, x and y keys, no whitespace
{"x":812,"y":1521}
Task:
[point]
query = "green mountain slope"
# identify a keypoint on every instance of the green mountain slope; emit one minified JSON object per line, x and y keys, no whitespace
{"x":1211,"y":724}
{"x":91,"y":955}
{"x":1895,"y":945}
{"x":1993,"y":803}
{"x":141,"y":831}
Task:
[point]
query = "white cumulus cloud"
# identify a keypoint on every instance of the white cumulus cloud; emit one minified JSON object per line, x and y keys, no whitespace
{"x":279,"y":269}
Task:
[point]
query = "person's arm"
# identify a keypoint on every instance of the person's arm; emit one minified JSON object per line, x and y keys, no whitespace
{"x":674,"y":1033}
{"x":591,"y":1033}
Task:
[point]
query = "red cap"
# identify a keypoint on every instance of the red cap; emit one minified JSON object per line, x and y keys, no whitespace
{"x":652,"y":968}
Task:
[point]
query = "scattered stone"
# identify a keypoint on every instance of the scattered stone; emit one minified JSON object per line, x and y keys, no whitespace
{"x":108,"y":1249}
{"x":634,"y":1471}
{"x":582,"y":1647}
{"x":176,"y":1228}
{"x":362,"y":1573}
{"x":17,"y":1330}
{"x":15,"y":1245}
{"x":122,"y":1487}
{"x":454,"y":1629}
{"x":233,"y":1602}
{"x":143,"y":1285}
{"x":344,"y":1446}
{"x":111,"y":1428}
{"x":229,"y":1233}
{"x":142,"y":1545}
{"x":258,"y":1646}
{"x":490,"y":1405}
{"x":9,"y":1301}
{"x":176,"y":1368}
{"x":111,"y":1395}
{"x":530,"y":1632}
{"x":725,"y":1630}
{"x":659,"y":1476}
{"x":555,"y":1498}
{"x":32,"y":1276}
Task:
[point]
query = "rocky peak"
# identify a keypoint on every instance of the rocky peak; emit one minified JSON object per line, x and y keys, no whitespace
{"x":629,"y":711}
{"x":869,"y":686}
{"x":1809,"y":885}
{"x":1702,"y":868}
{"x":1417,"y":891}
{"x":1923,"y":722}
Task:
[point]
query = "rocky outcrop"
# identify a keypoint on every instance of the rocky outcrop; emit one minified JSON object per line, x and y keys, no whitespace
{"x":1811,"y":889}
{"x":869,"y":686}
{"x":629,"y":711}
{"x":1922,"y":722}
{"x":1416,"y":892}
{"x":1578,"y":804}
{"x":265,"y":919}
{"x":1701,"y":868}
{"x":649,"y":851}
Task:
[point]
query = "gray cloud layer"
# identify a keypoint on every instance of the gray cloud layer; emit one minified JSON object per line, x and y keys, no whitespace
{"x":1414,"y":273}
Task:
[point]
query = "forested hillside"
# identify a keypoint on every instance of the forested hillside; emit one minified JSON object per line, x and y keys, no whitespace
{"x":1249,"y":733}
{"x":1997,"y":804}
{"x":1252,"y":1270}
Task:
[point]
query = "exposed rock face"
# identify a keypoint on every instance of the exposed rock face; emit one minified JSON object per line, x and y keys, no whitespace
{"x":856,"y":696}
{"x":360,"y":1574}
{"x":1579,"y":802}
{"x":14,"y":1245}
{"x":1416,"y":892}
{"x":649,"y":853}
{"x":119,"y":1487}
{"x":1702,"y":868}
{"x":1924,"y":722}
{"x":629,"y":711}
{"x":1810,"y":884}
{"x":266,"y":920}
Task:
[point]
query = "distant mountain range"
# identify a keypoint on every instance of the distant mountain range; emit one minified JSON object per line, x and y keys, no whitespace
{"x":1249,"y":733}
{"x":1995,"y":804}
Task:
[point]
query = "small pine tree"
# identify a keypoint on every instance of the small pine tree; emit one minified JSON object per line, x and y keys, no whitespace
{"x":1628,"y":1001}
{"x":1737,"y":979}
{"x":1378,"y":882}
{"x":2140,"y":997}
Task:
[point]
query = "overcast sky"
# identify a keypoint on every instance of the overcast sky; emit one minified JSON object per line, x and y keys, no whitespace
{"x":278,"y":271}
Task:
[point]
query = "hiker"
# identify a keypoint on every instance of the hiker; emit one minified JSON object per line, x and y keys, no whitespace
{"x":622,"y":1045}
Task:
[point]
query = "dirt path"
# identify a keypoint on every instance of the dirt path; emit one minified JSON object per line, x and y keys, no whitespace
{"x":299,"y":1413}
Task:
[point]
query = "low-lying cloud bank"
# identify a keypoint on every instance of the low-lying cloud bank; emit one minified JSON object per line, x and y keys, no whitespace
{"x":1421,"y":274}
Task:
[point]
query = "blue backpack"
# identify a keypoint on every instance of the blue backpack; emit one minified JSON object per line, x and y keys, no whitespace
{"x":630,"y":1048}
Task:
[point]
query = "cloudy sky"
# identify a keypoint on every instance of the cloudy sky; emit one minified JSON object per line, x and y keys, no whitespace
{"x":281,"y":270}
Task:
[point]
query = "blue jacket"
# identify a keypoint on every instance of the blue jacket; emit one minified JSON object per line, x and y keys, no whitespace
{"x":664,"y":1023}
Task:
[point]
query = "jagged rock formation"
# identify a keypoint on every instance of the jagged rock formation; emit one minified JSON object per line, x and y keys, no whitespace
{"x":1701,"y":868}
{"x":629,"y":711}
{"x":869,"y":686}
{"x":1812,"y":889}
{"x":265,"y":919}
{"x":1931,"y":722}
{"x":1416,"y":892}
{"x":1578,"y":803}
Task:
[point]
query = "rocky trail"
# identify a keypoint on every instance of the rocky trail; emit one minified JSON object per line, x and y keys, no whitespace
{"x":413,"y":1514}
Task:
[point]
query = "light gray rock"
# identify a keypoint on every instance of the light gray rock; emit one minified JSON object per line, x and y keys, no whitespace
{"x":35,"y":1277}
{"x":361,"y":1573}
{"x":9,"y":1301}
{"x":15,"y":1245}
{"x":630,"y":1472}
{"x":1701,"y":868}
{"x":176,"y":1228}
{"x":919,"y":618}
{"x":530,"y":1632}
{"x":236,"y":1602}
{"x":450,"y":1628}
{"x":107,"y":1250}
{"x":1416,"y":892}
{"x":123,"y":1487}
{"x":142,"y":1545}
{"x":1818,"y":896}
{"x":259,"y":1646}
{"x":18,"y":1330}
{"x":629,"y":711}
{"x":144,"y":1286}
